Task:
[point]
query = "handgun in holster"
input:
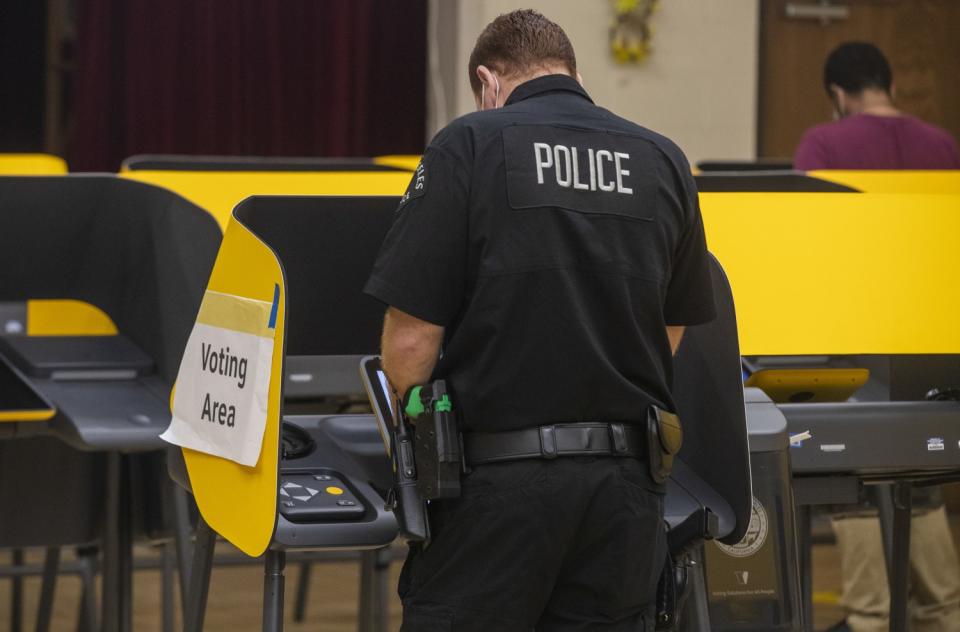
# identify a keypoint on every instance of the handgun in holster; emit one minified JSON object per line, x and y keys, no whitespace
{"x":437,"y":445}
{"x":427,"y":457}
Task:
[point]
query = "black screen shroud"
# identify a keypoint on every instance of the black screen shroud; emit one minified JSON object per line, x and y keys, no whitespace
{"x":327,"y":311}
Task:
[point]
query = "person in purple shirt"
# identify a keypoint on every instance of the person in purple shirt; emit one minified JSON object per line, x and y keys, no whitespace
{"x":870,"y":132}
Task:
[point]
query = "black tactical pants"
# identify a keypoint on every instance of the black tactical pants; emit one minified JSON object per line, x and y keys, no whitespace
{"x":573,"y":543}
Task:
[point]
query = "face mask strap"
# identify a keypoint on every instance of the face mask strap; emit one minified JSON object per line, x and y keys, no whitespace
{"x":483,"y":92}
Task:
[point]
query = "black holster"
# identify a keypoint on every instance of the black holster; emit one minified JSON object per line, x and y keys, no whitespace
{"x":438,"y":444}
{"x":427,"y":455}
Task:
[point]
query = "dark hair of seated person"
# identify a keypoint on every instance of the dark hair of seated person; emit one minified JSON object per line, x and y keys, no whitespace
{"x":856,"y":66}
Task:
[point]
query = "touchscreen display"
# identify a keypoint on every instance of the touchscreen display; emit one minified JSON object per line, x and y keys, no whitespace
{"x":385,"y":389}
{"x":378,"y":390}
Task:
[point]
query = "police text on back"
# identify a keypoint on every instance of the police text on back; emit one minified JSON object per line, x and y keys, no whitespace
{"x":601,"y":169}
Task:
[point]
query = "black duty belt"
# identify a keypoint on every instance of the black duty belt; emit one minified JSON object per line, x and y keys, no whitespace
{"x":548,"y":442}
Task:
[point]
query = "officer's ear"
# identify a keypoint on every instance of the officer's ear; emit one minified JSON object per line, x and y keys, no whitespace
{"x":487,"y":99}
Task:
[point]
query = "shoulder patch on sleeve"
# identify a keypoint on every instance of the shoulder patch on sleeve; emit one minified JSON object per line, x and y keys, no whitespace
{"x":418,"y":184}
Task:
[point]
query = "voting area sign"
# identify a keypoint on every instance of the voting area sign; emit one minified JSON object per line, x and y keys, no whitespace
{"x":220,"y":405}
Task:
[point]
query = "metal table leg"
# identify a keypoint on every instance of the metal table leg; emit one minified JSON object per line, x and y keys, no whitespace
{"x":902,"y":508}
{"x":374,"y":608}
{"x":200,"y":569}
{"x":303,"y":591}
{"x":87,"y":561}
{"x":883,"y":496}
{"x":167,"y":556}
{"x":176,"y":518}
{"x":364,"y":603}
{"x":806,"y":564}
{"x":381,"y":586}
{"x":180,"y":502}
{"x":16,"y":594}
{"x":896,"y":504}
{"x":117,"y":604}
{"x":273,"y":566}
{"x":51,"y":566}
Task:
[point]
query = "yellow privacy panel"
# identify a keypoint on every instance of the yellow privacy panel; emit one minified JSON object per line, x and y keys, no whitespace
{"x":400,"y":161}
{"x":240,"y":502}
{"x":220,"y":191}
{"x":834,"y":273}
{"x":51,"y":317}
{"x":936,"y":182}
{"x":31,"y":165}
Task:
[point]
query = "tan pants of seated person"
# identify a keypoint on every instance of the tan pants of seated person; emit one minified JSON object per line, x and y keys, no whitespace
{"x":934,"y":593}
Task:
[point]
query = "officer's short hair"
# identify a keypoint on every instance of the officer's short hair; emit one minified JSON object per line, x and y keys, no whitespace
{"x":518,"y":41}
{"x":855,"y":66}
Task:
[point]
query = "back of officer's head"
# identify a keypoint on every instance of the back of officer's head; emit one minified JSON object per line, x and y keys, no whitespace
{"x":856,"y":66}
{"x":520,"y":42}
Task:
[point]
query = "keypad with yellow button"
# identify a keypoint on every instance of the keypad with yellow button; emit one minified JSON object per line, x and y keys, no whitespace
{"x":317,"y":497}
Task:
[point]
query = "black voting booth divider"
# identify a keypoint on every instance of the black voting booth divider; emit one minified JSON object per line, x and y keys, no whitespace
{"x":326,"y":246}
{"x":141,"y":255}
{"x":714,"y":463}
{"x":766,"y":182}
{"x":760,"y":164}
{"x":174,"y":162}
{"x":731,"y":483}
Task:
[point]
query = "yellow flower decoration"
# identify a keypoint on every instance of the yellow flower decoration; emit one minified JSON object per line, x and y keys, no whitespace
{"x":631,"y":33}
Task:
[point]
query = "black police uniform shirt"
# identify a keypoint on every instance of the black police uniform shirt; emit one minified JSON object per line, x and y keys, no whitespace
{"x":554,"y":241}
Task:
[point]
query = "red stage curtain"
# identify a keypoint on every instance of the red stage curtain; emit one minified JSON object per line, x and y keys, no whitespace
{"x":252,"y":77}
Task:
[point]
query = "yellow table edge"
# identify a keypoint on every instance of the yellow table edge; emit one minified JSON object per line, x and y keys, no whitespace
{"x":32,"y":165}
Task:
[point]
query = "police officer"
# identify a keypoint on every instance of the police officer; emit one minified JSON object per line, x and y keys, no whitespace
{"x":544,"y":261}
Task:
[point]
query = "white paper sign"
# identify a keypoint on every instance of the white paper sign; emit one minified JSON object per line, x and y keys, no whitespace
{"x":220,"y":404}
